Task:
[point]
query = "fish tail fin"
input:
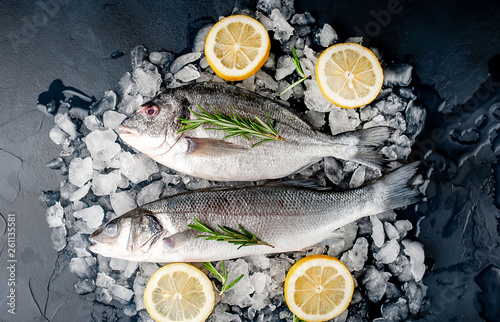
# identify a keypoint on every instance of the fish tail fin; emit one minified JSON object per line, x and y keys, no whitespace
{"x":395,"y":187}
{"x":363,"y":146}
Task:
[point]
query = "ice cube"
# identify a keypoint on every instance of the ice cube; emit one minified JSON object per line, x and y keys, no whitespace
{"x":199,"y":40}
{"x":80,"y":171}
{"x":112,"y":119}
{"x":58,"y":136}
{"x":391,"y":231}
{"x":403,"y":226}
{"x":378,"y":235}
{"x":121,"y":293}
{"x":84,"y":286}
{"x":401,"y":268}
{"x":163,"y":58}
{"x":147,"y":79}
{"x":58,"y":237}
{"x":126,"y":86}
{"x":104,"y":281}
{"x":137,"y":167}
{"x":314,"y":98}
{"x":358,"y":177}
{"x":395,"y":311}
{"x":183,"y":60}
{"x":102,"y":147}
{"x":343,"y":120}
{"x":415,"y":250}
{"x":259,"y":281}
{"x":148,"y":269}
{"x":118,"y":264}
{"x":259,"y":261}
{"x":65,"y":123}
{"x":108,"y":102}
{"x":122,"y":202}
{"x":392,"y":293}
{"x":130,"y":310}
{"x":326,"y":36}
{"x":390,"y":105}
{"x":388,"y":253}
{"x":103,"y":295}
{"x":130,"y":269}
{"x":105,"y":184}
{"x":83,"y":267}
{"x":92,"y":216}
{"x":55,"y":215}
{"x":265,"y":80}
{"x":92,"y":123}
{"x":375,"y":283}
{"x":333,"y":170}
{"x":264,"y":20}
{"x":356,"y":257}
{"x":49,"y":198}
{"x":188,"y":73}
{"x":150,"y":193}
{"x":282,"y":29}
{"x":285,"y":67}
{"x":138,"y":287}
{"x":316,"y":119}
{"x":415,"y":116}
{"x":299,"y":19}
{"x":286,"y":7}
{"x":270,"y":61}
{"x":356,"y":40}
{"x":398,"y":74}
{"x":414,"y":294}
{"x":138,"y":54}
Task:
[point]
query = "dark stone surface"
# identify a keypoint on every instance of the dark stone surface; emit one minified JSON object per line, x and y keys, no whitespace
{"x":449,"y":42}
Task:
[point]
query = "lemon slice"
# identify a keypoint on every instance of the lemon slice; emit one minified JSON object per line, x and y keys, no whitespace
{"x":349,"y":75}
{"x":179,"y":292}
{"x":236,"y":47}
{"x":318,"y":288}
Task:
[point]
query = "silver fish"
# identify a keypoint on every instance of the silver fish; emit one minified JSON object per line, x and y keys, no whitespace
{"x":152,"y":129}
{"x":290,"y":218}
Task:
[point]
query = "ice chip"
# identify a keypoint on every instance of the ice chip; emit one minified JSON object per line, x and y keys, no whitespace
{"x":138,"y":287}
{"x":105,"y":184}
{"x":130,"y":269}
{"x":375,"y":283}
{"x":58,"y":136}
{"x":58,"y":237}
{"x":358,"y":177}
{"x":316,"y":119}
{"x":138,"y":54}
{"x":333,"y":170}
{"x":137,"y":167}
{"x":112,"y":119}
{"x":84,"y":286}
{"x":264,"y":20}
{"x":199,"y":39}
{"x":314,"y":98}
{"x":80,"y":193}
{"x":343,"y":119}
{"x":401,"y":268}
{"x":163,"y":58}
{"x":102,"y":147}
{"x":286,"y":7}
{"x":122,"y":293}
{"x":390,"y":105}
{"x":150,"y":193}
{"x":122,"y":202}
{"x":259,"y":281}
{"x":326,"y":36}
{"x":104,"y":281}
{"x":395,"y":311}
{"x":378,"y":235}
{"x":92,"y":123}
{"x":118,"y":264}
{"x":108,"y":102}
{"x":415,"y":250}
{"x":83,"y":267}
{"x":285,"y":67}
{"x":103,"y":295}
{"x":415,"y":295}
{"x":403,"y":226}
{"x":80,"y":171}
{"x":188,"y":73}
{"x":388,"y":253}
{"x":259,"y":261}
{"x":392,"y":293}
{"x":183,"y":60}
{"x":147,"y":79}
{"x":93,"y":216}
{"x":55,"y":215}
{"x":391,"y":231}
{"x":415,"y":116}
{"x":282,"y":29}
{"x":265,"y":80}
{"x":356,"y":257}
{"x":65,"y":123}
{"x":398,"y":74}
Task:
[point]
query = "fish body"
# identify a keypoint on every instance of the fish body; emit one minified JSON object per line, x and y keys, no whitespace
{"x":153,"y":129}
{"x":288,"y":217}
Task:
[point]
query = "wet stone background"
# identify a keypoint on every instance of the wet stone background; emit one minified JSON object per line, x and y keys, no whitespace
{"x":451,"y":44}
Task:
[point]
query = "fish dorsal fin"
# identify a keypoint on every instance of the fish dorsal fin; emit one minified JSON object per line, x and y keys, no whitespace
{"x":307,"y":184}
{"x":212,"y":147}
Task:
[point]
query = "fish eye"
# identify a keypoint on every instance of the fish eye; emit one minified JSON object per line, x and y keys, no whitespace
{"x":151,"y":110}
{"x":111,"y":229}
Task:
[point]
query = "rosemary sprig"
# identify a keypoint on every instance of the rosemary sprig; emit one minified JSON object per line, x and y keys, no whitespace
{"x":222,"y":277}
{"x":300,"y":71}
{"x":243,"y":238}
{"x":297,"y":319}
{"x":233,"y":125}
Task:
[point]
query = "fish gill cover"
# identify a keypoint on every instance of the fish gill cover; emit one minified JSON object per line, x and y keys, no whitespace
{"x":103,"y":178}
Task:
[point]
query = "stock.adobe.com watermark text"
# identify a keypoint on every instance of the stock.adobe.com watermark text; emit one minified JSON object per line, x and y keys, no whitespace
{"x":29,"y":25}
{"x":11,"y":263}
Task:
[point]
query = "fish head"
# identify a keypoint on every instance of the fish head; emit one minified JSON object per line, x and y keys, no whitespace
{"x":152,"y":128}
{"x":127,"y":237}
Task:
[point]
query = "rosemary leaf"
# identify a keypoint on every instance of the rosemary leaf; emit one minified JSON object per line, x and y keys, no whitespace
{"x":222,"y":278}
{"x":299,"y":69}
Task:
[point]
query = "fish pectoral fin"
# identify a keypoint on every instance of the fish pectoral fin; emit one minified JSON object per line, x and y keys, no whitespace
{"x":212,"y":147}
{"x":179,"y":238}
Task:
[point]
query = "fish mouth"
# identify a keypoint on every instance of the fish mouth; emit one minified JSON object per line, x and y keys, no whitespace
{"x":127,"y":131}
